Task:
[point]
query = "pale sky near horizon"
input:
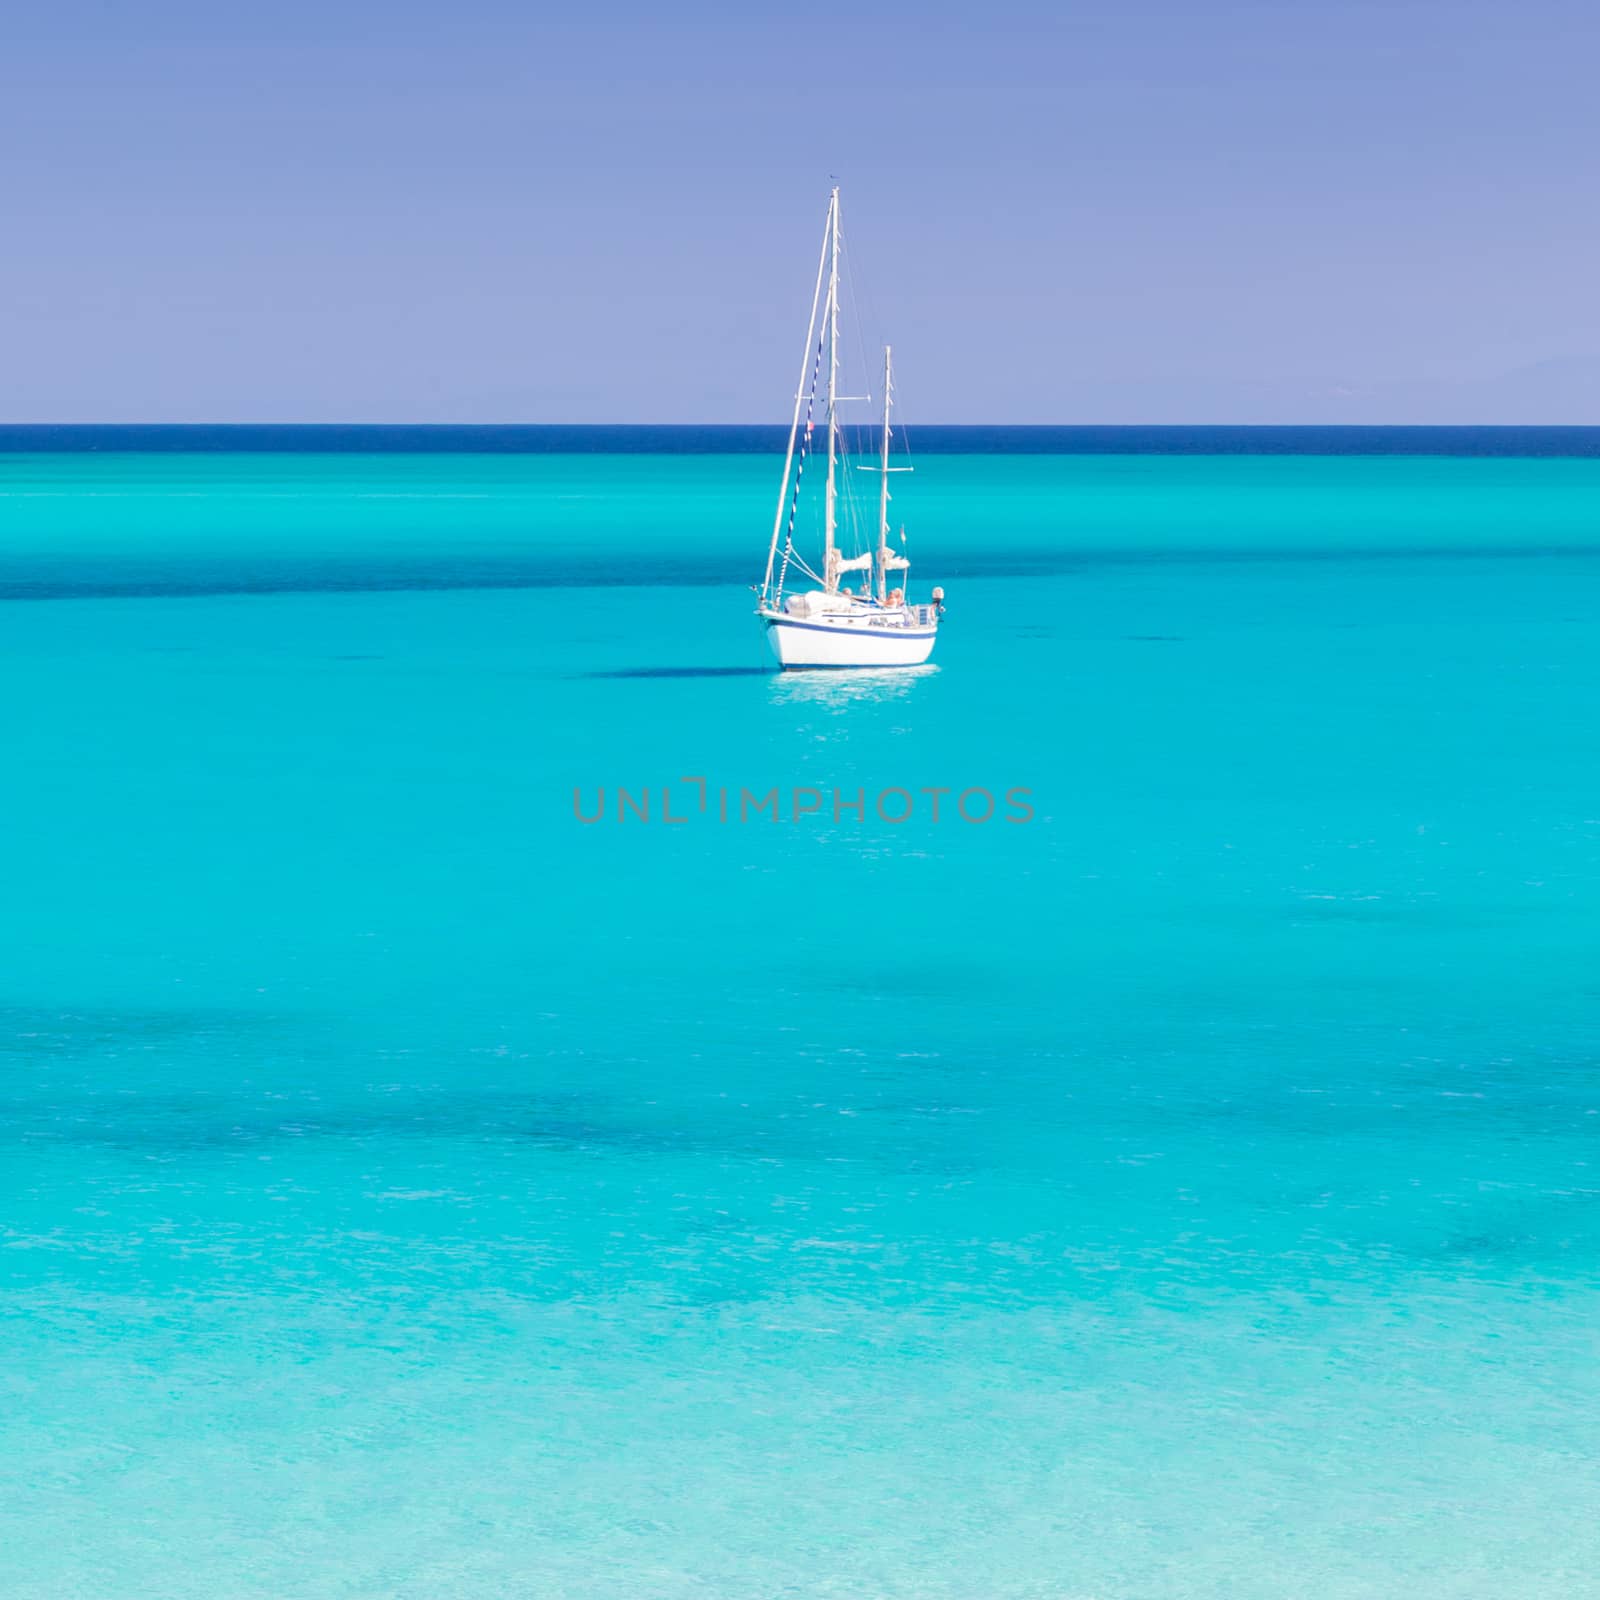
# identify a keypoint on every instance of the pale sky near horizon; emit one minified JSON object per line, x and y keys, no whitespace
{"x":1145,"y":212}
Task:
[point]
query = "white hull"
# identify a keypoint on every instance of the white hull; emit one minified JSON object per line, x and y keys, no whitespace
{"x":842,"y":641}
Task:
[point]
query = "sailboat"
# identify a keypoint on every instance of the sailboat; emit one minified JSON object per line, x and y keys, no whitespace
{"x":827,"y":624}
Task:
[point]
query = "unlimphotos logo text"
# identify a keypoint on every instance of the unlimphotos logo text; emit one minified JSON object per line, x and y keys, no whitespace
{"x":691,"y":799}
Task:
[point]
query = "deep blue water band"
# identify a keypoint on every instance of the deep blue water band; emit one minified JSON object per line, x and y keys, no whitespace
{"x":742,"y":439}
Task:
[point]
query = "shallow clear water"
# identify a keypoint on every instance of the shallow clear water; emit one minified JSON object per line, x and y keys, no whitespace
{"x":414,"y":1191}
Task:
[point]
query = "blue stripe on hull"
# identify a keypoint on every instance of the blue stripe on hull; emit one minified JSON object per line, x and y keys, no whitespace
{"x":854,"y":633}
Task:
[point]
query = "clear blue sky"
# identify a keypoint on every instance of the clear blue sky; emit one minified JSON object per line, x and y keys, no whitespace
{"x":1140,"y":211}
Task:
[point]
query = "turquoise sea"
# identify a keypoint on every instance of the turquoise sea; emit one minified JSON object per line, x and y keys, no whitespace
{"x":1192,"y":1193}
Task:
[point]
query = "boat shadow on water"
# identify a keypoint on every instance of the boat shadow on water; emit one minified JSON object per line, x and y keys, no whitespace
{"x":682,"y":672}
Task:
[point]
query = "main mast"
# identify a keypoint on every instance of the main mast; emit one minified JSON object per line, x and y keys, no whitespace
{"x":830,"y":554}
{"x":883,"y":486}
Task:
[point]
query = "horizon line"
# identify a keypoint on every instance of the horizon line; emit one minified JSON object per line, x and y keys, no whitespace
{"x":636,"y":422}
